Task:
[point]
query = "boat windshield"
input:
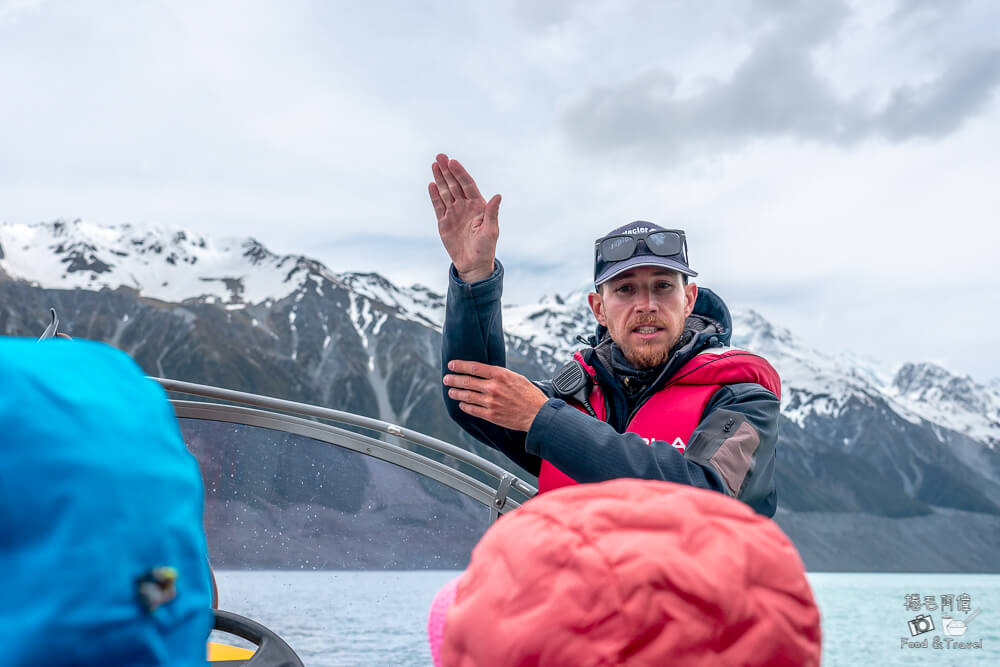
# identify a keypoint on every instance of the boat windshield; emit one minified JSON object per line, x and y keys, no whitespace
{"x":334,"y":538}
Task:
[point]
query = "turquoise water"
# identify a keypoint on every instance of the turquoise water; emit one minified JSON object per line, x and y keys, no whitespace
{"x":379,"y":618}
{"x":865,"y":616}
{"x":342,"y":618}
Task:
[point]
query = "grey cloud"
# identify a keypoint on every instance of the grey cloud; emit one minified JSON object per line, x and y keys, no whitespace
{"x":941,"y":106}
{"x":776,"y":92}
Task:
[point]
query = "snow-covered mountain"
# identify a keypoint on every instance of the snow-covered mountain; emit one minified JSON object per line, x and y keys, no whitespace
{"x":177,"y":265}
{"x":817,"y":383}
{"x":160,"y":263}
{"x":956,"y":402}
{"x":857,"y":439}
{"x":229,"y":312}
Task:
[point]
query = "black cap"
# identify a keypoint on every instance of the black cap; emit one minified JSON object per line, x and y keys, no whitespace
{"x":643,"y":256}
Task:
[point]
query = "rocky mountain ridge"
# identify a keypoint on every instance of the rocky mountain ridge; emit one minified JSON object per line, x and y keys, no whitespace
{"x":856,"y":439}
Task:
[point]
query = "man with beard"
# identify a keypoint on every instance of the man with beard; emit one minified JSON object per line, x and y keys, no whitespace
{"x":657,"y":395}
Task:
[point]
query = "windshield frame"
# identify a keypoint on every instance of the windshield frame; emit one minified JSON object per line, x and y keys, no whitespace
{"x":272,"y":413}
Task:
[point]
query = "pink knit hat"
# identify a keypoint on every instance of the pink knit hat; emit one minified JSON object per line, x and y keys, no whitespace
{"x":435,"y":620}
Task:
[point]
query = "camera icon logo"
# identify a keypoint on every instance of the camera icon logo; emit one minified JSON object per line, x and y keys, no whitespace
{"x":920,"y":624}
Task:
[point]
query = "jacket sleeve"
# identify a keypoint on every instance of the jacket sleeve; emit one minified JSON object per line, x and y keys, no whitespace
{"x":473,"y":331}
{"x":736,"y":440}
{"x":731,"y":450}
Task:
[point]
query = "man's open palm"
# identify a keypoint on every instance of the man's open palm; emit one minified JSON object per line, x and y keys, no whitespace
{"x":467,"y":223}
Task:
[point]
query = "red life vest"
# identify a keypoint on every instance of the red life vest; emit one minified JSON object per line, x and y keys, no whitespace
{"x":672,"y":414}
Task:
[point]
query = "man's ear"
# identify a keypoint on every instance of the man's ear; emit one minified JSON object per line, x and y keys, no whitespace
{"x":597,"y":306}
{"x":690,"y":296}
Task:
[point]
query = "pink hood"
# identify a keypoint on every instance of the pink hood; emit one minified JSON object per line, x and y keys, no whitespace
{"x":631,"y":572}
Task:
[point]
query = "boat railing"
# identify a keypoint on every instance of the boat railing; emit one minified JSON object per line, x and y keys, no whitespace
{"x":491,"y":485}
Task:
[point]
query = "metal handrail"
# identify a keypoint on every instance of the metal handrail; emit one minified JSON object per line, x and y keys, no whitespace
{"x":362,"y":443}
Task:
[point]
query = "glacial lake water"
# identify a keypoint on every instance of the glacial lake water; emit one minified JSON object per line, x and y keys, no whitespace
{"x":367,"y":618}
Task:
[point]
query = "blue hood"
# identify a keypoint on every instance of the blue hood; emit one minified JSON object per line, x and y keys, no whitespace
{"x":96,"y":490}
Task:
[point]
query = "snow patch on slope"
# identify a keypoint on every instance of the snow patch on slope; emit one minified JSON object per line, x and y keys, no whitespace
{"x":170,"y":264}
{"x":959,"y":403}
{"x":416,"y":303}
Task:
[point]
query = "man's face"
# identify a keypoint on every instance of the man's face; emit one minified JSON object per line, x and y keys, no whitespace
{"x":644,"y":310}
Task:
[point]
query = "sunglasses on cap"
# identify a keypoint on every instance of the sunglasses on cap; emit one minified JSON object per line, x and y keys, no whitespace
{"x":664,"y":243}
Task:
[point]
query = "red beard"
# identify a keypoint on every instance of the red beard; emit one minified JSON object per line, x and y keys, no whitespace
{"x":642,"y":354}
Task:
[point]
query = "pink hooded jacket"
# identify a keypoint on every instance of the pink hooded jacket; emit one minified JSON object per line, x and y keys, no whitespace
{"x":629,"y":572}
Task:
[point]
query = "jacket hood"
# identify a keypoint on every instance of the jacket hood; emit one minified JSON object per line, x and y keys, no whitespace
{"x":710,"y":317}
{"x":632,"y":572}
{"x":101,"y":506}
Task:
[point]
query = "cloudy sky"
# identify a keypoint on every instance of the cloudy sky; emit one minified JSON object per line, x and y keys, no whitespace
{"x":835,"y":164}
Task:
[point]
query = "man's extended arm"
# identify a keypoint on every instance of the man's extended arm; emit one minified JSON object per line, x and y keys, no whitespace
{"x":473,"y":331}
{"x":731,"y":450}
{"x":492,"y":403}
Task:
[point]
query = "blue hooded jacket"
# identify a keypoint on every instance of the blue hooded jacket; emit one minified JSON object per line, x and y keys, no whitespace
{"x":97,"y":490}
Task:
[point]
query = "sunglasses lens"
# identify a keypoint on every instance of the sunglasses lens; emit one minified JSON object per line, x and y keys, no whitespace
{"x":617,"y":248}
{"x":664,"y":243}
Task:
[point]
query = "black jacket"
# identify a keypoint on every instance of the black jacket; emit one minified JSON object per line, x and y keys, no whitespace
{"x":589,"y":450}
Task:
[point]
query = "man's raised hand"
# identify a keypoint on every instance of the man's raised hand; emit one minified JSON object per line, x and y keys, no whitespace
{"x":467,"y":223}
